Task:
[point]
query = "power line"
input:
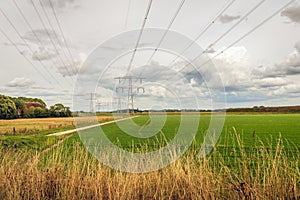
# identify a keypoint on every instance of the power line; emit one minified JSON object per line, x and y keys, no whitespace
{"x":51,"y":26}
{"x":167,"y":30}
{"x":25,"y":42}
{"x":27,"y":59}
{"x":92,"y":104}
{"x":253,"y":29}
{"x":223,"y":10}
{"x":61,"y":31}
{"x":27,"y":22}
{"x":35,"y":35}
{"x":233,"y":27}
{"x":245,"y":35}
{"x":48,"y":34}
{"x":127,"y":14}
{"x":140,"y":34}
{"x":229,"y":30}
{"x":238,"y":22}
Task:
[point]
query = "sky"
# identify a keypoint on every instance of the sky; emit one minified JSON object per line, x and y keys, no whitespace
{"x":60,"y":49}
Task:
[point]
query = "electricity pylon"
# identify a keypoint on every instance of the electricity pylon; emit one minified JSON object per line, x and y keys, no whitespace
{"x":130,"y":87}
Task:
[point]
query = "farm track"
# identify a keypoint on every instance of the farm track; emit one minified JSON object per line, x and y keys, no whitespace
{"x":73,"y":131}
{"x":55,"y":145}
{"x":89,"y":127}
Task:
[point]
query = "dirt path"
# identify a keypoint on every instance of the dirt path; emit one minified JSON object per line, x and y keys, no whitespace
{"x":89,"y":127}
{"x":74,"y":131}
{"x":54,"y":145}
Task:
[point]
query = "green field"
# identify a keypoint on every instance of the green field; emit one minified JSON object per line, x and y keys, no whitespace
{"x":256,"y":157}
{"x":251,"y":128}
{"x":245,"y":133}
{"x":266,"y":128}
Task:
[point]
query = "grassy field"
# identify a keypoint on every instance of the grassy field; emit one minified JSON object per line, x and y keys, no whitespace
{"x":257,"y":157}
{"x":266,"y":127}
{"x":31,"y":134}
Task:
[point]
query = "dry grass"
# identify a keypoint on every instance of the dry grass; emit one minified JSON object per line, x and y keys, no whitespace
{"x":29,"y":126}
{"x":71,"y":173}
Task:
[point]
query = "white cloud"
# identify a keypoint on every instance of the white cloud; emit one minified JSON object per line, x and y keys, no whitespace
{"x":72,"y":67}
{"x":244,"y":82}
{"x":229,"y":18}
{"x":270,"y":82}
{"x":237,"y":54}
{"x":267,"y":72}
{"x":289,"y":90}
{"x":293,"y":13}
{"x":239,"y":74}
{"x":210,"y":50}
{"x":58,"y":3}
{"x":43,"y":54}
{"x":291,"y":65}
{"x":234,"y":68}
{"x":44,"y":36}
{"x":20,"y":82}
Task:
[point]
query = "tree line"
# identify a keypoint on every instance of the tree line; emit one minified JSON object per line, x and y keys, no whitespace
{"x":23,"y":107}
{"x":274,"y":109}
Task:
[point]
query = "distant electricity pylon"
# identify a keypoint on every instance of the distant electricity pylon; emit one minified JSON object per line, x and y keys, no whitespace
{"x":130,"y":87}
{"x":92,"y":102}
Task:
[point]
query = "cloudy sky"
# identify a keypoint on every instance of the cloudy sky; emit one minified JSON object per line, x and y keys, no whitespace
{"x":45,"y":44}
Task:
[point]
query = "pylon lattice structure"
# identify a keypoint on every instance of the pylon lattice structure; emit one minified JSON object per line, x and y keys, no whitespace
{"x":129,"y":88}
{"x":92,"y":103}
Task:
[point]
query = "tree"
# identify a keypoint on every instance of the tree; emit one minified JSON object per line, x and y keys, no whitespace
{"x":8,"y":108}
{"x":20,"y":105}
{"x":41,"y":112}
{"x":29,"y":112}
{"x":59,"y":110}
{"x":25,"y":99}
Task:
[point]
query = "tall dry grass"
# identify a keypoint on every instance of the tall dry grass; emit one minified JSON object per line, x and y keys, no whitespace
{"x":70,"y":172}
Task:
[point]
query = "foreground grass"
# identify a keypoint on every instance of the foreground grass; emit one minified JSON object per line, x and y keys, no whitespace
{"x":70,"y":172}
